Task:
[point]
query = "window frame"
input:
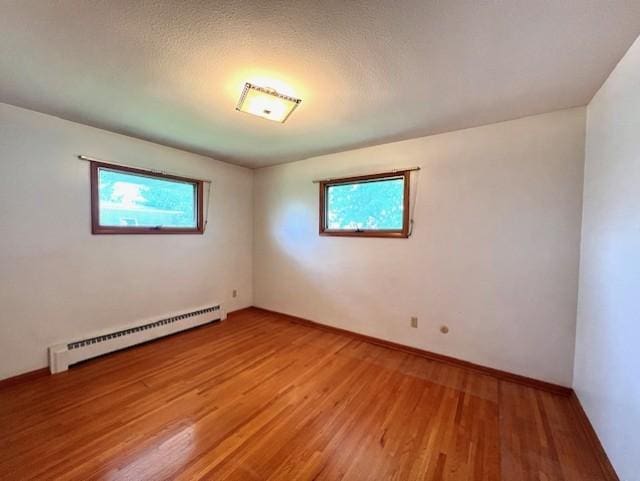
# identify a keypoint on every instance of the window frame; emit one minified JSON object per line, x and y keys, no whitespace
{"x":96,"y":228}
{"x":402,"y":233}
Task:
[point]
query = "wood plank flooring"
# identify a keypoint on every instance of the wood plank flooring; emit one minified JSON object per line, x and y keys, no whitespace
{"x":259,"y":397}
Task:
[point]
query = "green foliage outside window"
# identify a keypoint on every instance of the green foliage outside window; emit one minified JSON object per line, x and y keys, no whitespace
{"x":375,"y":205}
{"x":138,"y":200}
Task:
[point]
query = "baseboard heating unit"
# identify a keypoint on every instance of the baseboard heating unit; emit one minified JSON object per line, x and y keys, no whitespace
{"x":63,"y":355}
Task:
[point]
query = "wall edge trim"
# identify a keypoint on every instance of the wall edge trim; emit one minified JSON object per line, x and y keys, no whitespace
{"x":24,"y":377}
{"x":497,"y":373}
{"x":608,"y":471}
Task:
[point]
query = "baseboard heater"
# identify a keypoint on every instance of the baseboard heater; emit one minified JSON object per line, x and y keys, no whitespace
{"x":61,"y":356}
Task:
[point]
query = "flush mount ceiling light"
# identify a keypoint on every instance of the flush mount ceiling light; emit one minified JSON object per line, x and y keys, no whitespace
{"x":266,"y":103}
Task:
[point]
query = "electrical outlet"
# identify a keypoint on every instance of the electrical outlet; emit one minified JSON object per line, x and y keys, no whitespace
{"x":234,"y":293}
{"x":414,"y":321}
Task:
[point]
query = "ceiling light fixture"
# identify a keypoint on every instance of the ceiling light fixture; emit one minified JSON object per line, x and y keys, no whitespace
{"x":266,"y":103}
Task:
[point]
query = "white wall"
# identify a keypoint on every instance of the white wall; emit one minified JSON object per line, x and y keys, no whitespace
{"x":58,"y":282}
{"x":607,"y":367}
{"x":494,"y":254}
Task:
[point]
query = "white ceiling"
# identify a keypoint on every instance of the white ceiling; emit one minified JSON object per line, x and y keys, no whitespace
{"x":368,"y":71}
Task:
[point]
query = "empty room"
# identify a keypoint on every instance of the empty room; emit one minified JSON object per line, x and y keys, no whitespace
{"x":307,"y":240}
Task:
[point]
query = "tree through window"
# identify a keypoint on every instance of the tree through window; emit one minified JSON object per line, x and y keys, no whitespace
{"x":365,"y":206}
{"x":132,"y":201}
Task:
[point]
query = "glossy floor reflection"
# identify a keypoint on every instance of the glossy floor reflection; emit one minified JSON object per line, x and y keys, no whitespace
{"x":258,"y":397}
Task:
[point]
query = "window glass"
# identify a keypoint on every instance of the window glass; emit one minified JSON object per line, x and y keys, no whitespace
{"x":127,"y":200}
{"x":133,"y":200}
{"x":374,"y":205}
{"x":370,"y":205}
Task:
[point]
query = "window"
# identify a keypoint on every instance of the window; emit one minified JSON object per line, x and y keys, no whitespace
{"x":367,"y":206}
{"x":133,"y":201}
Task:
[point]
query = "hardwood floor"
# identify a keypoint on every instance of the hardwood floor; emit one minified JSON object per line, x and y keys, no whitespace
{"x":259,"y":397}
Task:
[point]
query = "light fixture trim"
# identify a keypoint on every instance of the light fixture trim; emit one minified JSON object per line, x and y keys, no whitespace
{"x":248,"y":87}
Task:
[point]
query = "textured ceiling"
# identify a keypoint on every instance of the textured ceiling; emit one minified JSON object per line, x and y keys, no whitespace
{"x":368,"y":71}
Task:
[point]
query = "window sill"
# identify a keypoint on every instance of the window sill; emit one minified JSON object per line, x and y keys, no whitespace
{"x":394,"y":234}
{"x":143,"y":230}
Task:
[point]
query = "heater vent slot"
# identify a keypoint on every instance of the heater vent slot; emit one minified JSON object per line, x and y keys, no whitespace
{"x":144,"y":327}
{"x":61,"y":356}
